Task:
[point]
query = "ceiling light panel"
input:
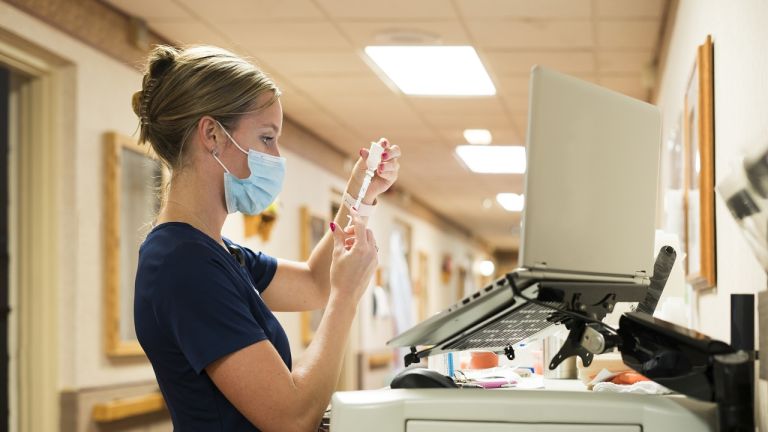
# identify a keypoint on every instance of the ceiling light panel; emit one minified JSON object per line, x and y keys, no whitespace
{"x":493,"y":159}
{"x":433,"y":70}
{"x":478,"y":136}
{"x":511,"y":201}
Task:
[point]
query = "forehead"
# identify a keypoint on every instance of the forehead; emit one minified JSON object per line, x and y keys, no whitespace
{"x":270,"y":117}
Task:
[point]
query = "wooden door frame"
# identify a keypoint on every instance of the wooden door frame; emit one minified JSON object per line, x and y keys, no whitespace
{"x":37,"y":135}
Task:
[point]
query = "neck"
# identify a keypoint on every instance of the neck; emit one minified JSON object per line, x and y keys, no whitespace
{"x":195,"y":202}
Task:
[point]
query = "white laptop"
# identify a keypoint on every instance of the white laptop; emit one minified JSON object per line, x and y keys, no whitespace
{"x":590,"y":206}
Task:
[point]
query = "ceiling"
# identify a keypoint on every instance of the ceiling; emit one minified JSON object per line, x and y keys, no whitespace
{"x":314,"y":50}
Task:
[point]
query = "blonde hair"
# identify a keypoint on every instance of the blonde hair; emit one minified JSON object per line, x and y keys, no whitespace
{"x":180,"y":86}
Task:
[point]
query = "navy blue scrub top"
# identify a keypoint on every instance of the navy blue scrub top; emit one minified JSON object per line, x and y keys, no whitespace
{"x":194,"y":304}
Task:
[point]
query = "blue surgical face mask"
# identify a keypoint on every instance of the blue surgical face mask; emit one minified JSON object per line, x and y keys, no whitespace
{"x":255,"y":193}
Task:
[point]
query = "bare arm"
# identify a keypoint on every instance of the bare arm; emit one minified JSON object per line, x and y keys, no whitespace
{"x":276,"y":399}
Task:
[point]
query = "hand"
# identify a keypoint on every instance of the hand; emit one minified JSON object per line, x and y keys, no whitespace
{"x":386,"y":174}
{"x":354,"y":259}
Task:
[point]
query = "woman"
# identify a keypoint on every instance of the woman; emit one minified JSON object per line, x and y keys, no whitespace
{"x":203,"y":305}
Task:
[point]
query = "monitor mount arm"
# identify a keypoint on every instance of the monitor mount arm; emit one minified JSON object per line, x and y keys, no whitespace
{"x":580,"y":324}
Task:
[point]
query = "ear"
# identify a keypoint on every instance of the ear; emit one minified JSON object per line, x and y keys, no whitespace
{"x":209,"y":134}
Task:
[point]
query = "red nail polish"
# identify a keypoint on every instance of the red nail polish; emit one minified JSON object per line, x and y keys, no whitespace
{"x":384,"y":155}
{"x":333,"y":226}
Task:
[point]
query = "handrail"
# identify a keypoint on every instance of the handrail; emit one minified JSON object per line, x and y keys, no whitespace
{"x":123,"y":408}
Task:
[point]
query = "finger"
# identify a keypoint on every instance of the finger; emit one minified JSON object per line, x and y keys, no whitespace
{"x":391,"y":153}
{"x":383,"y":142}
{"x":359,"y":225}
{"x":338,"y":236}
{"x":371,"y":239}
{"x":388,"y":167}
{"x":364,"y":153}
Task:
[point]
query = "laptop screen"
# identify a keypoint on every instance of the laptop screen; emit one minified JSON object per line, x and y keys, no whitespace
{"x":591,"y":183}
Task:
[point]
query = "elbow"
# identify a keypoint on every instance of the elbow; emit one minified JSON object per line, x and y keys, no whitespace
{"x":295,"y":416}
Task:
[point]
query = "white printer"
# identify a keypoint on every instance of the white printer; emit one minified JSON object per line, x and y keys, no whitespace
{"x":454,"y":410}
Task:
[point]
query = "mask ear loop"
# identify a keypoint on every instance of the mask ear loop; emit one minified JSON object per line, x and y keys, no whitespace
{"x":213,"y":153}
{"x":230,"y":137}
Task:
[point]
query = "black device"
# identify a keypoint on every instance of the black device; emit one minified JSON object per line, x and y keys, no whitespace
{"x":665,"y":260}
{"x":675,"y":357}
{"x":419,"y":377}
{"x":743,"y":321}
{"x":237,"y":253}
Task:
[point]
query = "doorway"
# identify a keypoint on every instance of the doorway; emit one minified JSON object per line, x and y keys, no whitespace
{"x":5,"y":78}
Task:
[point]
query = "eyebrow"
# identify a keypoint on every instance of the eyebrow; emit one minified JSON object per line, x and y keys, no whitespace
{"x":271,"y":125}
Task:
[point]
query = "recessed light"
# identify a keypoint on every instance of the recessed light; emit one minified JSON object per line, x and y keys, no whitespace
{"x":493,"y":159}
{"x":511,"y":202}
{"x":478,"y":136}
{"x":486,"y":267}
{"x":433,"y":70}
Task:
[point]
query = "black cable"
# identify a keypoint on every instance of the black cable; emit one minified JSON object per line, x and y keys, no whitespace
{"x":572,"y":314}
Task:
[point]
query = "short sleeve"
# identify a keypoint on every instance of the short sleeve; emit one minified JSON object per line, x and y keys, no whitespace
{"x":199,"y":302}
{"x":261,"y":266}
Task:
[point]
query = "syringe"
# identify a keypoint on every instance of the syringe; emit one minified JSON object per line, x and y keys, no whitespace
{"x":372,"y":164}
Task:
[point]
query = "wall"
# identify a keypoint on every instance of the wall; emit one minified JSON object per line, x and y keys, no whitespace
{"x":740,"y":37}
{"x":741,"y":66}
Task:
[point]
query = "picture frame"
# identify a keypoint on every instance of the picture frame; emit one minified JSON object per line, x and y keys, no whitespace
{"x":699,"y":173}
{"x":133,"y":176}
{"x":312,"y":230}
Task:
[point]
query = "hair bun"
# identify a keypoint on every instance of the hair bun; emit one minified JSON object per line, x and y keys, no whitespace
{"x":161,"y":59}
{"x":136,"y":101}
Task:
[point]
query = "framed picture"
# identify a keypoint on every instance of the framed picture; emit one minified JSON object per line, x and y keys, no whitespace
{"x":312,"y":229}
{"x":699,"y":173}
{"x":133,"y":177}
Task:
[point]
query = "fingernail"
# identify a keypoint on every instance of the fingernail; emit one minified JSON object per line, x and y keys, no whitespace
{"x":361,"y":152}
{"x":333,"y":226}
{"x":384,"y":155}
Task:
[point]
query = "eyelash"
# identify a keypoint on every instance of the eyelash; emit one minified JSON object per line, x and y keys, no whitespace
{"x":267,"y":139}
